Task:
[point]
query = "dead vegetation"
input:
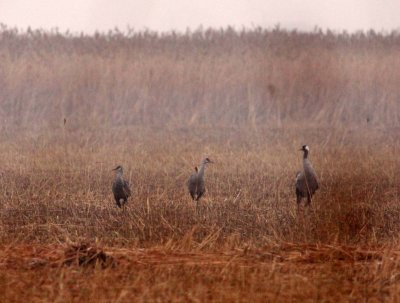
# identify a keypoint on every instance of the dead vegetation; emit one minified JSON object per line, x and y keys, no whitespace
{"x":86,"y":255}
{"x":72,"y":108}
{"x":280,"y":272}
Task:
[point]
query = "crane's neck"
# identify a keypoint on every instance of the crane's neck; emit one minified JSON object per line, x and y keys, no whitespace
{"x":201,"y":170}
{"x":307,"y":166}
{"x":305,"y":155}
{"x":119,"y":174}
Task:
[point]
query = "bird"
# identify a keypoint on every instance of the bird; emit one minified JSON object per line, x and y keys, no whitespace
{"x":306,"y":180}
{"x":196,"y":183}
{"x":120,"y":187}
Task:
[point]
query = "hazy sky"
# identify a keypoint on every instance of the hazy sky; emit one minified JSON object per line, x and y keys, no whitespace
{"x":90,"y":15}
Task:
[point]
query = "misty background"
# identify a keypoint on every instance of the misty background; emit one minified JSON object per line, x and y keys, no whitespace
{"x":161,"y":15}
{"x":261,"y":76}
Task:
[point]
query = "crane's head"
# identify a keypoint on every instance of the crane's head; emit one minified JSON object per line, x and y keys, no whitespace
{"x":118,"y":169}
{"x":305,"y":148}
{"x":207,"y":160}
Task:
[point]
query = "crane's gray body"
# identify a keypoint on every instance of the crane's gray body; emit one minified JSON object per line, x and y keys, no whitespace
{"x":306,"y":180}
{"x":120,"y":188}
{"x":196,"y":184}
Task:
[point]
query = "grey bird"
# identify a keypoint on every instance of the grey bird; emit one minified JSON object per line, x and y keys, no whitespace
{"x":196,"y":184}
{"x":306,"y":180}
{"x":120,"y":187}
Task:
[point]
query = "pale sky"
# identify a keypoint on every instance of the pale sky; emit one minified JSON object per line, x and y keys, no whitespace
{"x":163,"y":15}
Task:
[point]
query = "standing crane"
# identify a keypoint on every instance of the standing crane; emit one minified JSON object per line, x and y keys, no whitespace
{"x":306,"y":180}
{"x":196,"y":184}
{"x":120,"y":187}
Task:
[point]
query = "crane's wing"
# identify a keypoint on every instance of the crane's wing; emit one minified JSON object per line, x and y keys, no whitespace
{"x":298,"y":176}
{"x":201,"y":188}
{"x":127,"y":189}
{"x":311,"y":176}
{"x":192,"y":185}
{"x":301,"y":187}
{"x":313,"y":182}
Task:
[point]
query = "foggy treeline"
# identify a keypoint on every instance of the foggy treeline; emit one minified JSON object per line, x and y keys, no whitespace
{"x":206,"y":77}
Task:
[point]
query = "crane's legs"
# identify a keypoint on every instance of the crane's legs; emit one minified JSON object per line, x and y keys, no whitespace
{"x":298,"y":202}
{"x":308,"y":199}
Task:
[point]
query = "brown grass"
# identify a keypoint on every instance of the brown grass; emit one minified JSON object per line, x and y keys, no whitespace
{"x":157,"y":104}
{"x":288,"y":272}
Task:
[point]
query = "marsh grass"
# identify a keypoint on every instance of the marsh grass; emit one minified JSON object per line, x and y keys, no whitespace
{"x":72,"y":108}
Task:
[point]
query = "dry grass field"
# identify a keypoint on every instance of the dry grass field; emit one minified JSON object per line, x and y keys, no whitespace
{"x":73,"y":107}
